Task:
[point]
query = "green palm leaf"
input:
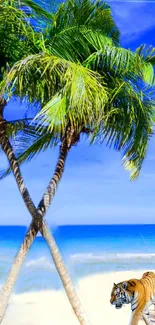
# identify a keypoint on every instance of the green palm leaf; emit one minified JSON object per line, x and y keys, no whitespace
{"x":147,"y":53}
{"x":117,"y":60}
{"x":17,"y":36}
{"x":77,"y":90}
{"x":31,"y":140}
{"x":37,"y":10}
{"x":129,"y":124}
{"x":80,"y":28}
{"x":93,"y":15}
{"x":21,"y":125}
{"x":85,"y":79}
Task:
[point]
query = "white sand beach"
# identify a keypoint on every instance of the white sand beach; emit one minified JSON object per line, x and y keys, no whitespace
{"x":52,"y":307}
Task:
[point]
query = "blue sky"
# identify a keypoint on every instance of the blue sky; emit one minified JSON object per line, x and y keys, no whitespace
{"x":95,"y":188}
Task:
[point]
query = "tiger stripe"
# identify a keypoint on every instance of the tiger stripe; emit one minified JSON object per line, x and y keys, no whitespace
{"x":139,"y":292}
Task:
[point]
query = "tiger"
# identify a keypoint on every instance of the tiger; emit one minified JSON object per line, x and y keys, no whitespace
{"x":139,"y":292}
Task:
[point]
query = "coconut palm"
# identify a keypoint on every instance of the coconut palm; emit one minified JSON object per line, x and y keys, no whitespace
{"x":38,"y":213}
{"x":35,"y":226}
{"x":106,"y":104}
{"x":17,"y":38}
{"x":96,"y":94}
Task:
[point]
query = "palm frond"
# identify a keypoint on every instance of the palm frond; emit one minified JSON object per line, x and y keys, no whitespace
{"x":28,"y":7}
{"x":94,"y":15}
{"x":36,"y":10}
{"x":147,"y":53}
{"x":117,"y":60}
{"x":75,"y":90}
{"x":16,"y":35}
{"x":30,"y":142}
{"x":80,"y":52}
{"x":78,"y":42}
{"x":13,"y":127}
{"x":80,"y":28}
{"x":129,"y":124}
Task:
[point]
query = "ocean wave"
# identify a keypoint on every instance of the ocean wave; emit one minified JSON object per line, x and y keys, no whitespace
{"x":92,"y":257}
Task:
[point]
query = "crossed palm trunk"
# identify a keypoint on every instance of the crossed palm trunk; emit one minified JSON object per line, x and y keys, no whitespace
{"x":38,"y":224}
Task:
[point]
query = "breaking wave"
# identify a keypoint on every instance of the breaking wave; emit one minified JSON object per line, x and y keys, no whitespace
{"x":91,"y":257}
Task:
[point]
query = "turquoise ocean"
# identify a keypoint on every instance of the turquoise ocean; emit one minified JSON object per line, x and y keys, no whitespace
{"x":86,"y":250}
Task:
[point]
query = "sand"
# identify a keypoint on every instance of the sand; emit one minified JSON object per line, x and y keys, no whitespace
{"x":52,"y":307}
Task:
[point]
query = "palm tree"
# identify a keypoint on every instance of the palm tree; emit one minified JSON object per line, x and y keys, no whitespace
{"x":69,"y":139}
{"x":17,"y":39}
{"x":106,"y":104}
{"x":37,"y":218}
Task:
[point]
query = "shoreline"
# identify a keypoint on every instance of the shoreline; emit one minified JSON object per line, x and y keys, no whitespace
{"x":51,"y":306}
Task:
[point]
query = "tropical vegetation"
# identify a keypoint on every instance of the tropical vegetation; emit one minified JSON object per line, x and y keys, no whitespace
{"x":83,"y":83}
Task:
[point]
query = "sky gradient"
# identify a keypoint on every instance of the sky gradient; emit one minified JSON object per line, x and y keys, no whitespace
{"x":95,"y":188}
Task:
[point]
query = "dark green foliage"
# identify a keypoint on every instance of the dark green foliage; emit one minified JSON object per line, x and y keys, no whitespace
{"x":17,"y":35}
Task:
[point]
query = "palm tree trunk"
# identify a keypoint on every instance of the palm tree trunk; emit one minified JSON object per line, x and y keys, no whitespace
{"x":38,"y":224}
{"x":7,"y":148}
{"x":53,"y":184}
{"x":54,"y":250}
{"x":64,"y":275}
{"x":13,"y":274}
{"x":34,"y":227}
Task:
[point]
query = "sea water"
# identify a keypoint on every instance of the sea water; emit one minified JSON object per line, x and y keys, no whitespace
{"x":86,"y":250}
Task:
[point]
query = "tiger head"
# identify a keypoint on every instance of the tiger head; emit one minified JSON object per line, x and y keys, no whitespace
{"x":120,"y":295}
